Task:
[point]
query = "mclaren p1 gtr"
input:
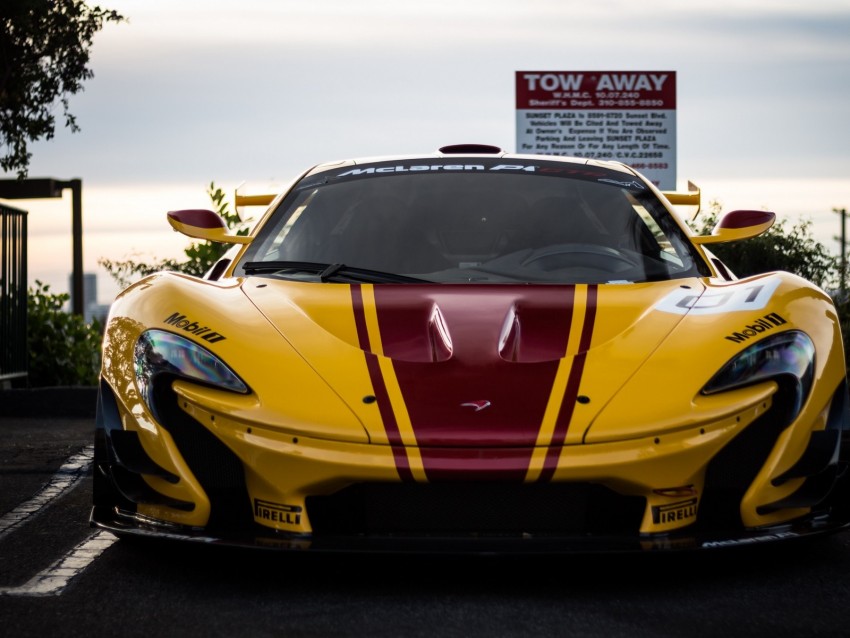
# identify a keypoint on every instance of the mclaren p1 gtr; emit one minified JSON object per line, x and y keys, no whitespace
{"x":472,"y":351}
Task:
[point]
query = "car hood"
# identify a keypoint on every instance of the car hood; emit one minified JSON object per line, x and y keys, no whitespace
{"x":472,"y":365}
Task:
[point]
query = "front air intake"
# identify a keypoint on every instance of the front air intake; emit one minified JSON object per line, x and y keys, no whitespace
{"x":471,"y":508}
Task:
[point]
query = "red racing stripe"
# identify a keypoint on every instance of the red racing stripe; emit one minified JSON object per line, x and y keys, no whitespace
{"x":565,"y":414}
{"x":379,"y":387}
{"x":360,"y":317}
{"x":441,"y":394}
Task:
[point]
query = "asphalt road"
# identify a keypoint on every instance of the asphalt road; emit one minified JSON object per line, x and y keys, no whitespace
{"x":58,"y":577}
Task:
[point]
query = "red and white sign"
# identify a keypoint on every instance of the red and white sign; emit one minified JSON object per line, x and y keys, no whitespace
{"x":627,"y":116}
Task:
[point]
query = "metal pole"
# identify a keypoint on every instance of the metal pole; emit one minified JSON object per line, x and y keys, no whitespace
{"x":77,"y":212}
{"x":77,"y":297}
{"x":843,"y":240}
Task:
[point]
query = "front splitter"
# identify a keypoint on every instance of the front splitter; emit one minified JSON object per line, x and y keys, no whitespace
{"x":127,"y":525}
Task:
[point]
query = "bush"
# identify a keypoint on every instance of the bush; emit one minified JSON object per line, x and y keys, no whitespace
{"x":63,"y":349}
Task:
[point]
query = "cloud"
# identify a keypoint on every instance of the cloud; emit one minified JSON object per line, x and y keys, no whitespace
{"x":211,"y":90}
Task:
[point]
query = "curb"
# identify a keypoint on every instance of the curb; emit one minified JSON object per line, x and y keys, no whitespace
{"x":71,"y":401}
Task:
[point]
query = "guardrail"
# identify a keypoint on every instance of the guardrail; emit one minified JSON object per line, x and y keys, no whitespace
{"x":13,"y":294}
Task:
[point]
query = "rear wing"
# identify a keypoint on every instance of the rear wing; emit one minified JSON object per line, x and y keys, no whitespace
{"x":689,"y":198}
{"x":241,"y":201}
{"x":253,"y":200}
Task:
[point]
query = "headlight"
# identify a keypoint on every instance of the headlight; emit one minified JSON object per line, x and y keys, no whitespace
{"x":789,"y":354}
{"x":160,"y":352}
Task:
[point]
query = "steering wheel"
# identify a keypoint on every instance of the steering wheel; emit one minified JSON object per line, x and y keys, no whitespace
{"x":595,"y":256}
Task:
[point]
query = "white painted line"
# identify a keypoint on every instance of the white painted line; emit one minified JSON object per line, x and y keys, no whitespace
{"x":55,"y":578}
{"x":72,"y":471}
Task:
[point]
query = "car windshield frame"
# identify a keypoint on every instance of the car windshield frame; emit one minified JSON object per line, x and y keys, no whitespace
{"x":473,"y":220}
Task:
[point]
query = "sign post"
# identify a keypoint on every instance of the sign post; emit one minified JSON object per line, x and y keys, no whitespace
{"x":627,"y":116}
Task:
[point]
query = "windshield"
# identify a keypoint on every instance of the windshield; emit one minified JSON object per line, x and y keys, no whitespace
{"x":455,"y":220}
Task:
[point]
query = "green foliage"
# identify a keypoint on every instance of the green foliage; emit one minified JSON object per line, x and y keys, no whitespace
{"x":784,"y":247}
{"x":44,"y":55}
{"x":126,"y":271}
{"x":200,"y":255}
{"x":63,"y":349}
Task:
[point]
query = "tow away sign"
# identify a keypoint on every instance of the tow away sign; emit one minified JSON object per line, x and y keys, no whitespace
{"x":628,"y":116}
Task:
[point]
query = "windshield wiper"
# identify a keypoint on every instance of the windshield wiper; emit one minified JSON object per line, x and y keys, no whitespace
{"x":254,"y":267}
{"x":337,"y":273}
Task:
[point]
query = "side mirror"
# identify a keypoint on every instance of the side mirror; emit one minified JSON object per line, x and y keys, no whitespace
{"x":738,"y":224}
{"x":204,"y":224}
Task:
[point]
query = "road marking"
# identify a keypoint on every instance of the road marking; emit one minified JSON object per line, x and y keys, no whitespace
{"x":53,"y":580}
{"x":72,"y":472}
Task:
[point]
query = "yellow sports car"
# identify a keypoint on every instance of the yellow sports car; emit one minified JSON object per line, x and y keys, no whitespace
{"x":472,"y":351}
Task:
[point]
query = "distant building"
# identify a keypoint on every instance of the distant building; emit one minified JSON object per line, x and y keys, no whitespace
{"x":91,"y":308}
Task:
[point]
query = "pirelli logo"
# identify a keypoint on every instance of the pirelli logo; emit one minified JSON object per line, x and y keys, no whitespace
{"x":768,"y":322}
{"x":277,"y":512}
{"x":206,"y":333}
{"x":680,"y":511}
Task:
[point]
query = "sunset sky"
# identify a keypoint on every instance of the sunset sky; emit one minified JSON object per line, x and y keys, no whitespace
{"x":190,"y":92}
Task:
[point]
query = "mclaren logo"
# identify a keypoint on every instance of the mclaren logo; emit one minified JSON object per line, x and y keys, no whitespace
{"x":204,"y":332}
{"x":768,"y":322}
{"x":476,"y":405}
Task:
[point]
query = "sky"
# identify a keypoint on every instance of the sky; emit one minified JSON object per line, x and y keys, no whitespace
{"x":198,"y":91}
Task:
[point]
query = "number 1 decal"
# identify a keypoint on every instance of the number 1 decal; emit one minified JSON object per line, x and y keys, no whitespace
{"x":719,"y":300}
